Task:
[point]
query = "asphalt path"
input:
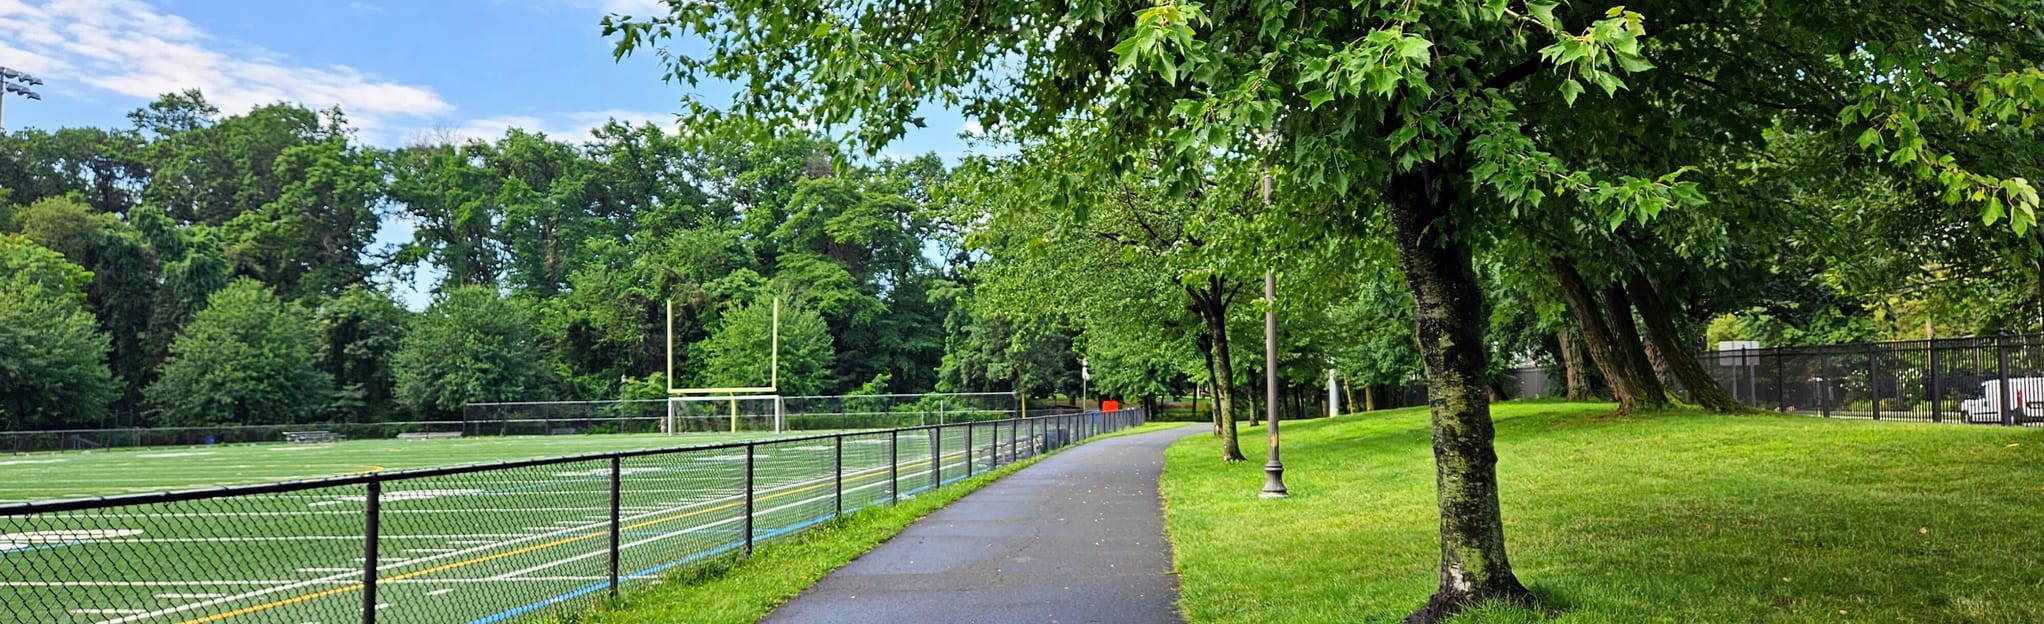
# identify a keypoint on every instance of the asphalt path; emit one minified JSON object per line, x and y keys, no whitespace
{"x":1075,"y":538}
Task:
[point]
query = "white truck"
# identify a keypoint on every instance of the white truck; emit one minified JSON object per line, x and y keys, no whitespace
{"x":2025,"y":397}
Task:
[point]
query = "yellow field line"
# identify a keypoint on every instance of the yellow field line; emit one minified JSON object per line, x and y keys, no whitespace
{"x":874,"y":473}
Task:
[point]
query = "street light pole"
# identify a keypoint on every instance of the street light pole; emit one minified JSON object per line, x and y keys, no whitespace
{"x":1273,"y":470}
{"x":17,"y":83}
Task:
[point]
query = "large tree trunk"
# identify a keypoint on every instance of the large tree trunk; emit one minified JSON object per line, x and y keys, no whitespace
{"x":1206,"y":348}
{"x":1634,"y":387}
{"x":1449,"y":321}
{"x":1618,"y":310}
{"x":1216,"y":313}
{"x":1703,"y":389}
{"x":1657,"y":360}
{"x":1369,"y":397}
{"x":1575,"y":371}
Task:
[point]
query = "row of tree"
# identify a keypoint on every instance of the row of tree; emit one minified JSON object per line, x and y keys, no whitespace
{"x":208,"y":269}
{"x":1600,"y":185}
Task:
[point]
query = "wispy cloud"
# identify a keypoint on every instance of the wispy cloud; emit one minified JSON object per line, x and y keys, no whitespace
{"x":364,"y":7}
{"x":129,"y":48}
{"x":571,"y":127}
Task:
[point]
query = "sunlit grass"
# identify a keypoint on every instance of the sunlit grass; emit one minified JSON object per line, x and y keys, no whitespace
{"x":1674,"y":517}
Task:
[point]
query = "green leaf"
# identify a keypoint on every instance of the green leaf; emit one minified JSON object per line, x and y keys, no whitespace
{"x":1544,"y":11}
{"x":1317,"y":97}
{"x":1414,"y":48}
{"x":1569,"y":90}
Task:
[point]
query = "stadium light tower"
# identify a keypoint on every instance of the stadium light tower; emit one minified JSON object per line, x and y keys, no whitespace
{"x":14,"y":82}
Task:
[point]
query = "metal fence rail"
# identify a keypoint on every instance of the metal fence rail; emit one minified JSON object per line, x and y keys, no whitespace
{"x":480,"y":544}
{"x":1988,"y":380}
{"x":1995,"y":380}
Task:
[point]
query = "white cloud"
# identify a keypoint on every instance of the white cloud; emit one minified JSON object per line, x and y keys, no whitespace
{"x":129,"y":48}
{"x":972,"y":128}
{"x":364,"y":7}
{"x":570,"y":127}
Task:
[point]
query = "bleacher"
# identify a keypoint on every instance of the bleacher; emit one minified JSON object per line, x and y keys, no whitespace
{"x":309,"y":437}
{"x":430,"y":435}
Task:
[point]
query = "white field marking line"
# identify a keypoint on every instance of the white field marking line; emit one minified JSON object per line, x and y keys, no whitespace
{"x":136,"y":583}
{"x":171,"y":455}
{"x":190,"y":595}
{"x":439,"y":591}
{"x":328,"y":570}
{"x":296,"y":538}
{"x":414,"y":562}
{"x":267,"y":514}
{"x":479,"y":581}
{"x":17,"y":462}
{"x":337,"y":577}
{"x":103,"y":611}
{"x":694,"y":529}
{"x":430,"y":550}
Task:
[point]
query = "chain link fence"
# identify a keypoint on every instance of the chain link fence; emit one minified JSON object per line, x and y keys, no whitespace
{"x":505,"y":542}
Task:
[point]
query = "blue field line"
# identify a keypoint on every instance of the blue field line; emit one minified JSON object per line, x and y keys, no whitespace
{"x":10,"y":551}
{"x":646,"y":573}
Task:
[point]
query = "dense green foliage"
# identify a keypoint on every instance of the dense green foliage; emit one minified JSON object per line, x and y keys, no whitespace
{"x":57,"y":372}
{"x":248,"y":358}
{"x":581,"y":242}
{"x":472,"y":345}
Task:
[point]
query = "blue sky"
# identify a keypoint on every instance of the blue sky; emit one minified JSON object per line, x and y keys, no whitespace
{"x":398,"y":68}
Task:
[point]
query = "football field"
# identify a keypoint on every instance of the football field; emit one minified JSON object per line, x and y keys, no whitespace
{"x":500,"y":545}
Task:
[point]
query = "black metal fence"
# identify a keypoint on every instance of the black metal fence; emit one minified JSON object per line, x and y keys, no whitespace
{"x":1982,"y":380}
{"x":478,"y":544}
{"x":1993,"y":380}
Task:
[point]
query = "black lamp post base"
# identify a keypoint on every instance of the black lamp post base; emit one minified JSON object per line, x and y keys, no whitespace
{"x":1274,"y":482}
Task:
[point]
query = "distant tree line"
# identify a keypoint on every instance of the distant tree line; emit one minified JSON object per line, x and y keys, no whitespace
{"x":200,"y":268}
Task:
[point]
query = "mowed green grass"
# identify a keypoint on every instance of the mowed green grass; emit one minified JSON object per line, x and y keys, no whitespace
{"x":1673,"y":517}
{"x":44,"y":476}
{"x":500,"y":546}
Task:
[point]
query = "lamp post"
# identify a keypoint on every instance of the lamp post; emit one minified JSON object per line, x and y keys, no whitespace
{"x":1274,"y":469}
{"x":16,"y":83}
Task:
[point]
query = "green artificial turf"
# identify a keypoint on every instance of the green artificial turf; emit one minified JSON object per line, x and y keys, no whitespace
{"x":1674,"y":517}
{"x":50,"y":475}
{"x":503,"y":545}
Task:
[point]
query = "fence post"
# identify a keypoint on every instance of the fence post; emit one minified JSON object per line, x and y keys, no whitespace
{"x":1780,"y":381}
{"x":937,"y":457}
{"x":1824,"y":382}
{"x":893,"y":466}
{"x":748,"y":499}
{"x":1930,"y":378}
{"x":837,"y":463}
{"x":2001,"y":363}
{"x":1874,"y":376}
{"x":968,"y":450}
{"x":371,"y":517}
{"x":616,"y":517}
{"x":1014,"y":443}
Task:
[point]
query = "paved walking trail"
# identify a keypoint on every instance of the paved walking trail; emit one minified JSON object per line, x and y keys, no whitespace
{"x":1076,"y":538}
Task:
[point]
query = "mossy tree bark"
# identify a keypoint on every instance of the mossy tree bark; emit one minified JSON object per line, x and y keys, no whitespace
{"x":1449,"y":315}
{"x":1632,"y":384}
{"x":1703,"y":389}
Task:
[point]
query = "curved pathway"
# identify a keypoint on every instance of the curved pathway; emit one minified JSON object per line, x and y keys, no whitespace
{"x":1077,"y":537}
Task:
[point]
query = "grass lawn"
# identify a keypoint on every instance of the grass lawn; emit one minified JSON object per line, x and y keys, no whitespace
{"x":1675,"y":517}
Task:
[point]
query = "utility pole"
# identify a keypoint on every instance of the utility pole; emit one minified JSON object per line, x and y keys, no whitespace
{"x":16,"y":83}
